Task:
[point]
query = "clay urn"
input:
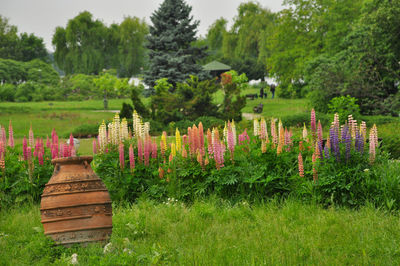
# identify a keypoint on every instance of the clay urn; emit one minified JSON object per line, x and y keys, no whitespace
{"x":75,"y":205}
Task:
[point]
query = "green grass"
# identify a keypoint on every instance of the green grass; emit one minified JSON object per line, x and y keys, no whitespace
{"x":216,"y":233}
{"x":63,"y":116}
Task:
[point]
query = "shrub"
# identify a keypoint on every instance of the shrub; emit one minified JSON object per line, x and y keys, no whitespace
{"x":7,"y":92}
{"x":344,"y":106}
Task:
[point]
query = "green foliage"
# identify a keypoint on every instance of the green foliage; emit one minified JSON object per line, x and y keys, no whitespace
{"x":344,"y":106}
{"x":126,"y":111}
{"x":234,"y":101}
{"x":20,"y":181}
{"x":196,"y":98}
{"x":171,"y":54}
{"x":7,"y":92}
{"x":21,"y":48}
{"x":87,"y":46}
{"x":138,"y":105}
{"x":173,"y":233}
{"x":36,"y":70}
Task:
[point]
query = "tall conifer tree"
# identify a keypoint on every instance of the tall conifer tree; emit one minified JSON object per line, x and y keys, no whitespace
{"x":171,"y":54}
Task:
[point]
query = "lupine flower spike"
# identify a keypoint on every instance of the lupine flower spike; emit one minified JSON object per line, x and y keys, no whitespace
{"x":121,"y":155}
{"x":131,"y":158}
{"x":10,"y":136}
{"x":301,"y":166}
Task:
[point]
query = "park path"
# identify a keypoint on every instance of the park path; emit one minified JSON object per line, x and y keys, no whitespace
{"x":250,"y":116}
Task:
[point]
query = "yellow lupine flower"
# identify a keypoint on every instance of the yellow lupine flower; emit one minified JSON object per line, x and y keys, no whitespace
{"x":178,"y":140}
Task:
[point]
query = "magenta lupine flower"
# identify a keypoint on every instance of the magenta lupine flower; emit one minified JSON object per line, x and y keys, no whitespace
{"x":94,"y":146}
{"x":121,"y":156}
{"x":40,"y":157}
{"x":10,"y":136}
{"x":273,"y":132}
{"x":24,"y":148}
{"x":131,"y":158}
{"x":54,"y":151}
{"x":244,"y":138}
{"x":313,"y":124}
{"x":154,"y":150}
{"x":209,"y":143}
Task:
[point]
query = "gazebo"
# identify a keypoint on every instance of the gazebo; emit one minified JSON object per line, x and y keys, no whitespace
{"x":216,"y":68}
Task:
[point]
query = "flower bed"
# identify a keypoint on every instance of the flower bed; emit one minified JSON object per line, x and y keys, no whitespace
{"x":344,"y":166}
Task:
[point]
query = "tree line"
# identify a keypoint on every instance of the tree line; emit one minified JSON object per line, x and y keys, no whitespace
{"x":320,"y":49}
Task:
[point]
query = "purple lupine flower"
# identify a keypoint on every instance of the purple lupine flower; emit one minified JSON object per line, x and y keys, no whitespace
{"x":348,"y":145}
{"x":345,"y":131}
{"x":326,"y":151}
{"x":334,"y":138}
{"x":320,"y":149}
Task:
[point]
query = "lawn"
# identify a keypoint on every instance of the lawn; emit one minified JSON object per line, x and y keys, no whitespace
{"x":214,"y":232}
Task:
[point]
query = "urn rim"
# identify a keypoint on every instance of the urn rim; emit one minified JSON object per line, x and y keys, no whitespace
{"x":72,"y":159}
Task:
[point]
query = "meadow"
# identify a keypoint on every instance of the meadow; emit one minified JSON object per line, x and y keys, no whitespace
{"x":215,"y":232}
{"x":305,"y":226}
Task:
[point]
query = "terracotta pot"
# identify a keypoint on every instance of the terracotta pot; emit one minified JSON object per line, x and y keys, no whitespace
{"x":76,"y":206}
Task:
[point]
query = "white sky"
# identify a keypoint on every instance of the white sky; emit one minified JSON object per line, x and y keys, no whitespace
{"x":41,"y":17}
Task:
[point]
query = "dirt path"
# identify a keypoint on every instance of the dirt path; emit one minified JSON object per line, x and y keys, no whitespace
{"x":250,"y":116}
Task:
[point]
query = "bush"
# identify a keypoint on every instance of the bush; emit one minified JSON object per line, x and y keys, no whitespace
{"x":27,"y":91}
{"x":85,"y":131}
{"x":344,"y":106}
{"x":7,"y":92}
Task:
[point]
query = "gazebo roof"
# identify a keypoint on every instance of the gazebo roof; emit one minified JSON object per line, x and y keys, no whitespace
{"x":215,"y":65}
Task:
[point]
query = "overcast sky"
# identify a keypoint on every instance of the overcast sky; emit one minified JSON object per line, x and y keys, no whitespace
{"x":41,"y":17}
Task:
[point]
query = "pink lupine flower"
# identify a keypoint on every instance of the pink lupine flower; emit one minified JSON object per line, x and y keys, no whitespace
{"x":29,"y":154}
{"x":40,"y":157}
{"x":301,"y":166}
{"x":48,"y":143}
{"x":231,"y":144}
{"x":147,"y":149}
{"x":71,"y":140}
{"x":154,"y":150}
{"x":94,"y":144}
{"x":121,"y":155}
{"x":10,"y":136}
{"x":25,"y":148}
{"x":54,"y":151}
{"x":66,"y":150}
{"x":140,"y":150}
{"x":313,"y":124}
{"x":72,"y":151}
{"x":3,"y":137}
{"x":184,"y":139}
{"x":209,"y":143}
{"x":31,"y":138}
{"x":131,"y":158}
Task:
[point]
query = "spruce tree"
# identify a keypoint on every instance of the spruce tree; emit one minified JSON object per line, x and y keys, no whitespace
{"x":171,"y":54}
